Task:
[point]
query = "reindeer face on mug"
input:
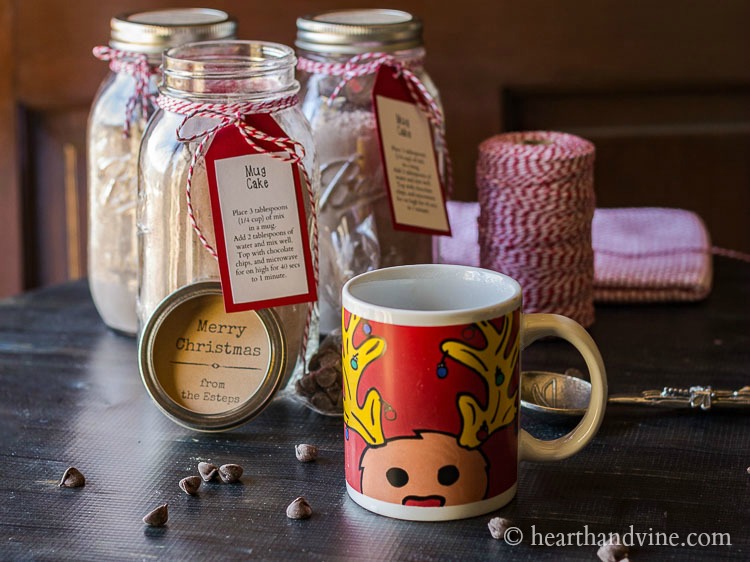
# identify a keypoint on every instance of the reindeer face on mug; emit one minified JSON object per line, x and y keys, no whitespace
{"x":429,"y":466}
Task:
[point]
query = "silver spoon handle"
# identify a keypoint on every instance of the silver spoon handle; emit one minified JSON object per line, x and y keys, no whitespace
{"x":703,"y":397}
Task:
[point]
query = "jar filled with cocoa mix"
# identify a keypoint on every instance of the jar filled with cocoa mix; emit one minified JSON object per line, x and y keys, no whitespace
{"x":118,"y":115}
{"x":227,"y":233}
{"x":348,"y":58}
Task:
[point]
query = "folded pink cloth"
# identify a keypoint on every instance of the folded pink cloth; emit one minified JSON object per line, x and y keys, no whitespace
{"x":640,"y":254}
{"x":462,"y":248}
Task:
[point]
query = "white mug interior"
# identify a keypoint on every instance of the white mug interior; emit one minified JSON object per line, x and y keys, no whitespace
{"x":431,"y":294}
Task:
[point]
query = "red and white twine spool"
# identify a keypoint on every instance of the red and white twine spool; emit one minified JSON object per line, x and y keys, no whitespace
{"x":369,"y":63}
{"x":233,"y":115}
{"x":536,"y":200}
{"x":137,"y":65}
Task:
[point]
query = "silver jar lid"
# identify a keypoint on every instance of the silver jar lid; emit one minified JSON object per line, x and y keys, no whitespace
{"x":153,"y":32}
{"x":208,"y":370}
{"x":351,"y":32}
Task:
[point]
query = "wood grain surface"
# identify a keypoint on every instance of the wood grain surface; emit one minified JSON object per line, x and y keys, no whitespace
{"x":70,"y":395}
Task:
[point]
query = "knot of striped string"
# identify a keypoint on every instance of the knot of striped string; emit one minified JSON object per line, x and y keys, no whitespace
{"x":136,"y":65}
{"x":536,"y":199}
{"x":369,"y":63}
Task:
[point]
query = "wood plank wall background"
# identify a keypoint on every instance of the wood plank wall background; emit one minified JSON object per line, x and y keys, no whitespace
{"x":662,"y":87}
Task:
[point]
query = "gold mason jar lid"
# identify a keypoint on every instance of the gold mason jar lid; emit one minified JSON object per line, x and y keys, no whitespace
{"x":208,"y":370}
{"x":153,"y":32}
{"x":351,"y":32}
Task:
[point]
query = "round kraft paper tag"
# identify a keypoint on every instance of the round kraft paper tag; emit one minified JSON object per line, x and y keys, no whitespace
{"x":206,"y":369}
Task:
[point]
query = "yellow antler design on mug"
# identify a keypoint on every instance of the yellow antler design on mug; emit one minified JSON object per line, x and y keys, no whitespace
{"x":497,"y":370}
{"x":367,"y":420}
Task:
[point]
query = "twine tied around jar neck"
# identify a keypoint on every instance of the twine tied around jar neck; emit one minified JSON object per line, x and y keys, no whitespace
{"x":370,"y":63}
{"x":137,"y":65}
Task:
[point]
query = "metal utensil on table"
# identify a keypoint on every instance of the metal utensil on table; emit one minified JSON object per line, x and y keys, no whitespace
{"x":557,"y":394}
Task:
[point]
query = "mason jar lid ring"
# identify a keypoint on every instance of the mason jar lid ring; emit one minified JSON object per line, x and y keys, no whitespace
{"x":351,"y":32}
{"x":152,"y":32}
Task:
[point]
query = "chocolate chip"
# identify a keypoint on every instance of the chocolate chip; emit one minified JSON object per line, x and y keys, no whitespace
{"x":333,"y":393}
{"x":72,"y":478}
{"x":498,"y":526}
{"x":326,"y":377}
{"x":299,"y":509}
{"x":331,"y":360}
{"x":307,"y":384}
{"x":321,"y":385}
{"x":305,"y":452}
{"x":613,"y":551}
{"x":190,"y":485}
{"x":230,"y":473}
{"x":158,"y":517}
{"x":321,"y":401}
{"x":208,"y":471}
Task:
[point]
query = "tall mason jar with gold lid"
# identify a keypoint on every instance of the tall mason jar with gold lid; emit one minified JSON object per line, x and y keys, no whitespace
{"x":339,"y":53}
{"x":229,"y":114}
{"x":118,"y":115}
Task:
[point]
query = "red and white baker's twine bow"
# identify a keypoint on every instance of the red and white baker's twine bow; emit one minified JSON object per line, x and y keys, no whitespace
{"x":137,"y":65}
{"x":232,"y":115}
{"x":536,"y":200}
{"x":369,"y":63}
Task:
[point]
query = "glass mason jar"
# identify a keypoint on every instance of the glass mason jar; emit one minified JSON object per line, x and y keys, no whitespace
{"x":211,"y":75}
{"x":118,"y":115}
{"x":356,"y":228}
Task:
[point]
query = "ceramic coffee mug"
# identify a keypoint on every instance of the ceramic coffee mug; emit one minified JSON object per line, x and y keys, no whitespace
{"x":431,"y":390}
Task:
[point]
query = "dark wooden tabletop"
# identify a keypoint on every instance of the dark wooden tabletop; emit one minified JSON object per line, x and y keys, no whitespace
{"x":70,"y":395}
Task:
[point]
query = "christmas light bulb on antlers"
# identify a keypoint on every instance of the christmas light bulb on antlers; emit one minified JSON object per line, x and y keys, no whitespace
{"x":495,"y":363}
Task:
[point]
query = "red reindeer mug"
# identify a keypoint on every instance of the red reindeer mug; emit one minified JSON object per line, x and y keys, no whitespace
{"x":431,"y":390}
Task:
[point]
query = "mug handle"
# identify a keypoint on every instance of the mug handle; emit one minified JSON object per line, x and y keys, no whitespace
{"x":536,"y":326}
